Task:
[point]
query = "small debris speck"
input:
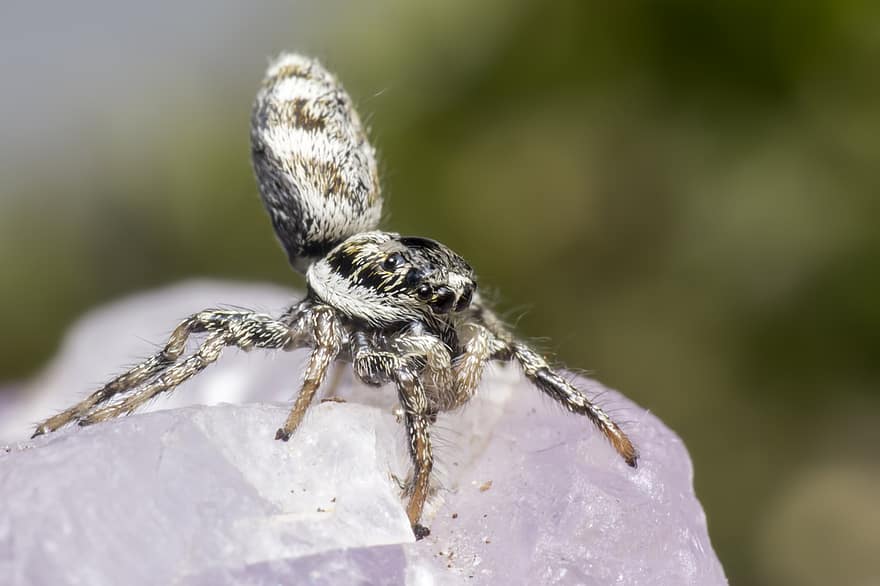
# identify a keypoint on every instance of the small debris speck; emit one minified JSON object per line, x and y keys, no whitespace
{"x":455,"y":515}
{"x":333,"y":500}
{"x":320,"y":510}
{"x":486,"y":486}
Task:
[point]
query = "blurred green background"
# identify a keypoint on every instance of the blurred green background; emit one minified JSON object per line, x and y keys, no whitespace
{"x":682,"y":195}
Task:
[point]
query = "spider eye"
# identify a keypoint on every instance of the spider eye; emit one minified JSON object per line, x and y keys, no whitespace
{"x":413,"y":277}
{"x":393,"y":261}
{"x":424,"y":292}
{"x":445,"y":300}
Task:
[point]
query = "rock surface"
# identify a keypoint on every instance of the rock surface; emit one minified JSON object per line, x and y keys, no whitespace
{"x":526,"y":493}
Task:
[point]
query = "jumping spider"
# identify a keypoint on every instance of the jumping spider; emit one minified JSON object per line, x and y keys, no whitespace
{"x":400,"y":309}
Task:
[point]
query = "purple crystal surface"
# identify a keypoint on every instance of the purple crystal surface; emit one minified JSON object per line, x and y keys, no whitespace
{"x":202,"y":494}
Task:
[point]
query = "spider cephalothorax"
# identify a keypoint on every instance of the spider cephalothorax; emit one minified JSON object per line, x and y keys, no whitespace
{"x":384,"y":279}
{"x":403,"y":310}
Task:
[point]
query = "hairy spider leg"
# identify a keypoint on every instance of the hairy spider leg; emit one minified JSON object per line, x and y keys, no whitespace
{"x":468,"y":367}
{"x":554,"y":385}
{"x":417,"y":419}
{"x":374,"y":367}
{"x":482,"y":347}
{"x":246,"y":330}
{"x":173,"y":376}
{"x":243,"y":329}
{"x":326,"y":334}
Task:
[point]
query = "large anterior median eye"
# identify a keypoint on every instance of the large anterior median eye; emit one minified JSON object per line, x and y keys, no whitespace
{"x":424,"y":292}
{"x":393,"y":261}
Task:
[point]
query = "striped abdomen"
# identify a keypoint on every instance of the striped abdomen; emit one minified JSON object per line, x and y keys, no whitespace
{"x":314,"y":165}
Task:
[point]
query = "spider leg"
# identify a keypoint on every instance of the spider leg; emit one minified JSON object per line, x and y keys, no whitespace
{"x":481,"y":347}
{"x":492,"y":341}
{"x":375,"y":366}
{"x":246,"y":330}
{"x":414,"y":400}
{"x":557,"y":387}
{"x":173,"y":376}
{"x":326,"y":333}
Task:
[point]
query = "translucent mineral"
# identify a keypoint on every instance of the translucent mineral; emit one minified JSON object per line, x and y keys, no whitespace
{"x":195,"y":490}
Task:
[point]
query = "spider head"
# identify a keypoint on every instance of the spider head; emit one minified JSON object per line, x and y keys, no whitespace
{"x":432,"y":273}
{"x":384,"y":278}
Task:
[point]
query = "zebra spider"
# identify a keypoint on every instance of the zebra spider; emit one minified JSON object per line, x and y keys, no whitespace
{"x":402,"y":310}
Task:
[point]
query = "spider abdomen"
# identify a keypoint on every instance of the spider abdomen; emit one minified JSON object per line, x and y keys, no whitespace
{"x":315,"y":168}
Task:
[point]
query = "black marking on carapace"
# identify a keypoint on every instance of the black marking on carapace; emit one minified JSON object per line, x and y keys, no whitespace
{"x":342,"y":262}
{"x":374,"y":278}
{"x":419,"y":242}
{"x":346,"y":262}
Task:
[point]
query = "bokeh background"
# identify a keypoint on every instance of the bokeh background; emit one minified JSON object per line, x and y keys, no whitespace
{"x":682,"y":195}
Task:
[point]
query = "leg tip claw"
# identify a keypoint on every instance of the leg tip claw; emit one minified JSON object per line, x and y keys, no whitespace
{"x":420,"y":531}
{"x":282,"y":434}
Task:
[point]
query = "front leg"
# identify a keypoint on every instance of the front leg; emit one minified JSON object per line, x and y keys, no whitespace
{"x":480,"y":347}
{"x":553,"y":384}
{"x":492,"y":341}
{"x":375,"y":366}
{"x":412,"y":398}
